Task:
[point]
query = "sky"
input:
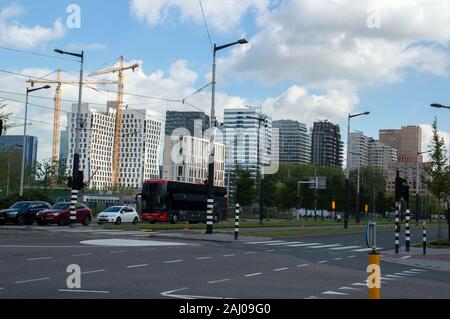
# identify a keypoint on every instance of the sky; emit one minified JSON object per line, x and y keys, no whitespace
{"x":306,"y":60}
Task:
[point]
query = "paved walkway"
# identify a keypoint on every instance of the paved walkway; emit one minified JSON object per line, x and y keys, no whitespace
{"x":436,"y":259}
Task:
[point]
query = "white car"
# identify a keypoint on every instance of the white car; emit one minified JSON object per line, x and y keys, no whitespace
{"x":118,"y":215}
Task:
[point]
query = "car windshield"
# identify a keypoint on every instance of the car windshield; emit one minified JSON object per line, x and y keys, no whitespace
{"x":113,"y":209}
{"x":61,"y":206}
{"x":20,"y":205}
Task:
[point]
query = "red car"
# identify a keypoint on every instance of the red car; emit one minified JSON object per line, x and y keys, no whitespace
{"x":60,"y":214}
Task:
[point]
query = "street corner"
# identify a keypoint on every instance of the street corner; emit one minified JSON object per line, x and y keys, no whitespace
{"x":435,"y":259}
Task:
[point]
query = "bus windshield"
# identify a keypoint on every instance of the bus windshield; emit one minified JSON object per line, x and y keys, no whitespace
{"x":154,"y":197}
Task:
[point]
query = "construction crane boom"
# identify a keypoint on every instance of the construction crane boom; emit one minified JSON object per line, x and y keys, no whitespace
{"x":57,"y":115}
{"x":119,"y":111}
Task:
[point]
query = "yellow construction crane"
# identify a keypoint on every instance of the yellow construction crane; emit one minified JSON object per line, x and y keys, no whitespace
{"x":119,"y":110}
{"x":57,"y":114}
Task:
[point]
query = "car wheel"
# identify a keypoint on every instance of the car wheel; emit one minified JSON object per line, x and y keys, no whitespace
{"x":119,"y":221}
{"x":62,"y":221}
{"x":174,"y":219}
{"x":135,"y":221}
{"x":20,"y":220}
{"x":86,"y":221}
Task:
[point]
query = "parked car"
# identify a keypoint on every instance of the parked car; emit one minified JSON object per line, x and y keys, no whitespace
{"x":22,"y":213}
{"x":60,"y":214}
{"x":118,"y":215}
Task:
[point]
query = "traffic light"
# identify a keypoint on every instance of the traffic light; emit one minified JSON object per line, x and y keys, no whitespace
{"x":401,"y":189}
{"x":79,"y":181}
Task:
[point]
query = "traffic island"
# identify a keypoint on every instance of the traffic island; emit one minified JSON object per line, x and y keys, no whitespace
{"x":435,"y":259}
{"x":201,"y":236}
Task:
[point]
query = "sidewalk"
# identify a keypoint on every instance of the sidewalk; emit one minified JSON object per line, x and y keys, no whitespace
{"x":435,"y":259}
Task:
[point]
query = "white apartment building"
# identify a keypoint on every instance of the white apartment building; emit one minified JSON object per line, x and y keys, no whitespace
{"x":380,"y":155}
{"x":186,"y":159}
{"x":358,"y":155}
{"x":240,"y":131}
{"x":140,"y":145}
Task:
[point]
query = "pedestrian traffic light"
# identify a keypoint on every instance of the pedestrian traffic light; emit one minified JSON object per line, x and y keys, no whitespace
{"x":79,"y":181}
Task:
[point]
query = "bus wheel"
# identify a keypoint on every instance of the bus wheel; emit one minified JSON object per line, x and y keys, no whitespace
{"x":174,"y":219}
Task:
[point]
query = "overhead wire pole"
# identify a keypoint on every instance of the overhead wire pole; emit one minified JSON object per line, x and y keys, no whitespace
{"x":76,"y":155}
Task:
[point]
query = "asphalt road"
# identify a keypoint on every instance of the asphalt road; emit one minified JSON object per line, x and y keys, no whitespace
{"x":33,"y":265}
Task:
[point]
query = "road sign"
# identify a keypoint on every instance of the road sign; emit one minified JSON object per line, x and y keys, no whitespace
{"x":319,"y":182}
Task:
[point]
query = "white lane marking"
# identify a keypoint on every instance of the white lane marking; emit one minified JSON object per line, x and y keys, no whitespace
{"x":334,"y":293}
{"x":286,"y":243}
{"x":250,"y":252}
{"x":402,"y":274}
{"x":325,"y":246}
{"x":421,"y":270}
{"x":147,"y":249}
{"x":281,"y":269}
{"x":388,"y":279}
{"x":338,"y":258}
{"x":393,"y":276}
{"x":270,"y":251}
{"x":253,"y":275}
{"x":410,"y":272}
{"x":406,"y":257}
{"x":349,"y":288}
{"x":84,"y":291}
{"x":32,"y":280}
{"x":359,"y":284}
{"x":93,"y":272}
{"x":81,"y":255}
{"x":230,"y":255}
{"x":364,"y":250}
{"x":322,"y":261}
{"x":115,"y":242}
{"x":39,"y":258}
{"x":346,"y":247}
{"x":137,"y":266}
{"x":304,"y":245}
{"x":264,"y":242}
{"x":301,"y":266}
{"x":218,"y":281}
{"x":203,"y":258}
{"x":117,"y":251}
{"x":277,"y":243}
{"x":351,"y":256}
{"x":312,"y":297}
{"x":173,"y":261}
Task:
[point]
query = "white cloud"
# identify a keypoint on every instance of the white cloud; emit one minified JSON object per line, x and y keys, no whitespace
{"x":15,"y":34}
{"x":221,"y":15}
{"x":318,"y":42}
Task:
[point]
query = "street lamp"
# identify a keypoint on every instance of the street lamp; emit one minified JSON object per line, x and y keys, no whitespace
{"x":347,"y":173}
{"x":418,"y":184}
{"x":260,"y":176}
{"x":22,"y":171}
{"x":210,"y":205}
{"x":76,"y":155}
{"x":439,"y":106}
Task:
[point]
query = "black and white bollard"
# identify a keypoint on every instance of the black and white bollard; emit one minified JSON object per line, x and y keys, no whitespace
{"x":209,"y":217}
{"x":424,"y":231}
{"x":407,"y":230}
{"x":73,"y":207}
{"x":236,"y":223}
{"x":397,"y":229}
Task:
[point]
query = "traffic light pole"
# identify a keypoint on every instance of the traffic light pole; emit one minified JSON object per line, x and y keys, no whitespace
{"x":76,"y":156}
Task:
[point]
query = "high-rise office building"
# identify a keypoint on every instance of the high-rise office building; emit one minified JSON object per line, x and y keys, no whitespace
{"x":63,"y":146}
{"x":358,"y":150}
{"x":140,"y":145}
{"x":294,"y":142}
{"x":327,"y":147}
{"x":196,"y":123}
{"x":240,"y":130}
{"x":16,"y":141}
{"x":380,"y":155}
{"x":407,"y":141}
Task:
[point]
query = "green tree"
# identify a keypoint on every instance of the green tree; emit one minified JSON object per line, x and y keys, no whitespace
{"x":244,"y":187}
{"x":44,"y":174}
{"x":438,"y":171}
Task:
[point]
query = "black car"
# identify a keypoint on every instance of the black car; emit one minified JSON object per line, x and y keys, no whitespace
{"x":22,"y":213}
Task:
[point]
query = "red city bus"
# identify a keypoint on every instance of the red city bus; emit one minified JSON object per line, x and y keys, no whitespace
{"x":171,"y":201}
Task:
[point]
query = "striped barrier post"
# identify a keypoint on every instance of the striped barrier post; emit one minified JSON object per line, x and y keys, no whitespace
{"x":407,"y":230}
{"x":73,"y":207}
{"x":397,"y":228}
{"x":236,"y":222}
{"x":209,"y":217}
{"x":424,"y":231}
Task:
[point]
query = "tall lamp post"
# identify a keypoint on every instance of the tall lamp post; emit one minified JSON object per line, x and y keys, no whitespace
{"x":24,"y":145}
{"x":347,"y":172}
{"x":76,"y":155}
{"x":210,"y":205}
{"x":418,"y":185}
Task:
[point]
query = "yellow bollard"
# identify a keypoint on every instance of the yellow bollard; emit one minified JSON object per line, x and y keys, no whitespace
{"x":374,"y":276}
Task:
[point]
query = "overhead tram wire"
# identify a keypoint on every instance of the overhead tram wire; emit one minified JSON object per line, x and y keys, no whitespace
{"x":206,"y":24}
{"x":37,"y":54}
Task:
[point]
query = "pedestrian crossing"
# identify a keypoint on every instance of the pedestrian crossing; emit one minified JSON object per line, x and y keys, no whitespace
{"x":313,"y":246}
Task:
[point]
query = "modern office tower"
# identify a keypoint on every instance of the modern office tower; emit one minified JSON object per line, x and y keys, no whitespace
{"x":16,"y":141}
{"x":327,"y":147}
{"x":64,"y":146}
{"x":294,"y":142}
{"x":196,"y":123}
{"x":358,"y":150}
{"x":407,"y":141}
{"x":380,"y":155}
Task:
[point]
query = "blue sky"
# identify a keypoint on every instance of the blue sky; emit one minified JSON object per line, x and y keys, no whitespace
{"x":306,"y":61}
